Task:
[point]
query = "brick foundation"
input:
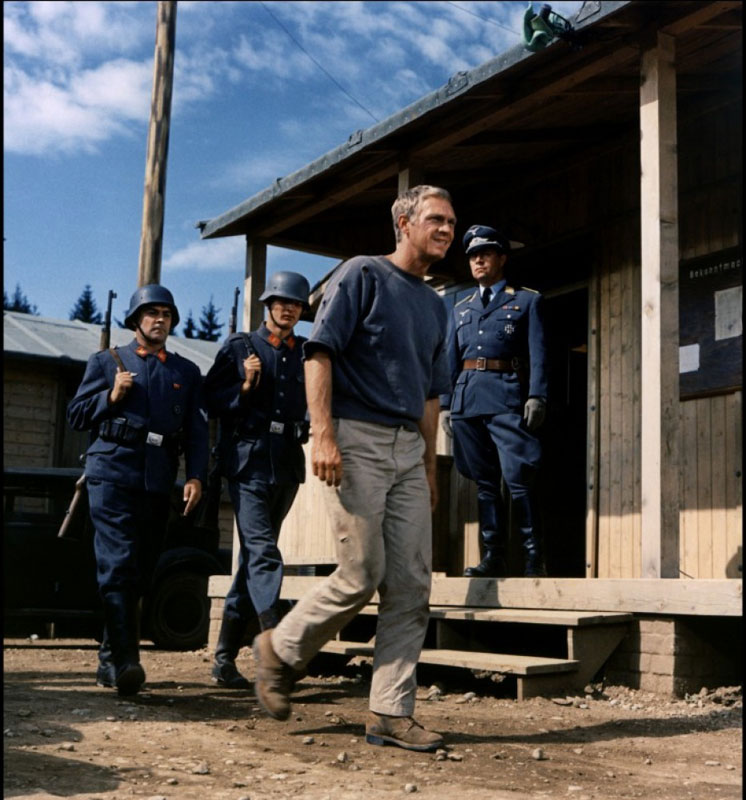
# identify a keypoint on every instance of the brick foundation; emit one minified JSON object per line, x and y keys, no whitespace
{"x":676,"y":655}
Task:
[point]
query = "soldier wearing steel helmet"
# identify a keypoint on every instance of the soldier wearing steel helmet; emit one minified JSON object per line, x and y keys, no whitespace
{"x":144,"y":406}
{"x":256,"y":388}
{"x":497,"y":356}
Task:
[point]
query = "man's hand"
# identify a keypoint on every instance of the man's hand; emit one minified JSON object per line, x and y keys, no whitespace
{"x":252,"y":367}
{"x":192,"y":494}
{"x":432,"y":482}
{"x":123,"y":381}
{"x":534,"y":412}
{"x":445,"y":423}
{"x":326,"y":458}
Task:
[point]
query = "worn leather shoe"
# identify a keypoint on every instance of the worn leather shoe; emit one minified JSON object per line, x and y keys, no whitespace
{"x":405,"y":732}
{"x":130,"y":678}
{"x":490,"y":566}
{"x":227,"y":675}
{"x":274,"y":679}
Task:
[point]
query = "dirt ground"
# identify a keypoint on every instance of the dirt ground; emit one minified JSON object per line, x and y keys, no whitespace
{"x":183,"y":737}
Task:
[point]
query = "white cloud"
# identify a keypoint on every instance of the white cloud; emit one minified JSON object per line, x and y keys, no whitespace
{"x":210,"y":254}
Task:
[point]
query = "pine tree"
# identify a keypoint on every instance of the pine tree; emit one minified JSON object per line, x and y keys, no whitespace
{"x":85,"y":308}
{"x":209,"y":326}
{"x":190,"y":329}
{"x":19,"y":302}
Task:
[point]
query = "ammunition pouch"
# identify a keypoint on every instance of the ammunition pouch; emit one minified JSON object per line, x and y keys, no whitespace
{"x":121,"y":430}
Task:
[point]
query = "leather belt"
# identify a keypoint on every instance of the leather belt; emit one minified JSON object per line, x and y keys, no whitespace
{"x":492,"y":364}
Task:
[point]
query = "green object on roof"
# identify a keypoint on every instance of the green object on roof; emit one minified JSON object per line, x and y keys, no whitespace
{"x":540,"y":29}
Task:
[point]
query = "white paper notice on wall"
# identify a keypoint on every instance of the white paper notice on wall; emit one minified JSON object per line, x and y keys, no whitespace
{"x":728,"y":314}
{"x":689,"y":358}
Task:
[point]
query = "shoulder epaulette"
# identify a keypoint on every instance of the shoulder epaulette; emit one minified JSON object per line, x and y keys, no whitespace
{"x":466,"y":299}
{"x":509,"y":290}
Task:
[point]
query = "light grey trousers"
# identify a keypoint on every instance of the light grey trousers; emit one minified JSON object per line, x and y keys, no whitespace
{"x":381,"y":519}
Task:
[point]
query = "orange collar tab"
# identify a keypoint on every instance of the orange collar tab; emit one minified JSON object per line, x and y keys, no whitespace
{"x":160,"y":355}
{"x":275,"y":341}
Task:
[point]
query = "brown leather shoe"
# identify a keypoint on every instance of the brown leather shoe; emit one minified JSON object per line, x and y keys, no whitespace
{"x":274,"y":678}
{"x":403,"y":732}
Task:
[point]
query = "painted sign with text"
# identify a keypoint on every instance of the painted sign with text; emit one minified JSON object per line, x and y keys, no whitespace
{"x":711,"y":324}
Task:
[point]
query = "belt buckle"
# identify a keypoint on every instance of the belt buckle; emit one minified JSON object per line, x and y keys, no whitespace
{"x":156,"y":439}
{"x":276,"y":427}
{"x":481,"y":364}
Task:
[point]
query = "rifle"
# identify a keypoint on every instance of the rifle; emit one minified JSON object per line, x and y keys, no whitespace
{"x":80,"y":487}
{"x":233,"y":321}
{"x":105,"y":340}
{"x":71,"y":512}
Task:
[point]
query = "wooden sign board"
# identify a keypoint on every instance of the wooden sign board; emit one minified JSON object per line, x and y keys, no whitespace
{"x":711,"y":324}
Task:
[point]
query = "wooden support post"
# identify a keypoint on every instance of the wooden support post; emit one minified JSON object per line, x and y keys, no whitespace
{"x":409,"y":176}
{"x":660,"y":312}
{"x":255,"y":279}
{"x":154,"y":199}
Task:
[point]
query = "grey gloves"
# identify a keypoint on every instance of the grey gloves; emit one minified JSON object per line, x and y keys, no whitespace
{"x":534,"y":412}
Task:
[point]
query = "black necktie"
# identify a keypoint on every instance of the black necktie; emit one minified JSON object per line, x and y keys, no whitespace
{"x":486,"y":296}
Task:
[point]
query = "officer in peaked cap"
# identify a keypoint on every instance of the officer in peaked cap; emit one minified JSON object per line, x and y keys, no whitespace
{"x":497,"y":357}
{"x":256,"y":389}
{"x":145,"y":406}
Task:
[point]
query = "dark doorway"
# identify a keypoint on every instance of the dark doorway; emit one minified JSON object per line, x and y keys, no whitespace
{"x":560,"y":485}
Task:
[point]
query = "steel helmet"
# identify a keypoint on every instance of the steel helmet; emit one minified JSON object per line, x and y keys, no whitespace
{"x":288,"y":285}
{"x":151,"y":295}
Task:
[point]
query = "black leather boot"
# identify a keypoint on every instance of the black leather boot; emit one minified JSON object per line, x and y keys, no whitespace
{"x":122,"y":628}
{"x":224,"y":670}
{"x":530,"y":540}
{"x":492,"y":565}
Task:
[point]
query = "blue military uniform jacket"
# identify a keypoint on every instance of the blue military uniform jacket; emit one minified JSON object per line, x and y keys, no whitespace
{"x":137,"y":438}
{"x":267,"y":426}
{"x":510,"y":327}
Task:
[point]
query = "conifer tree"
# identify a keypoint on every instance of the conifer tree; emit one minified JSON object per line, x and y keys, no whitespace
{"x":19,"y":302}
{"x":85,"y":308}
{"x":209,"y":326}
{"x":190,"y":328}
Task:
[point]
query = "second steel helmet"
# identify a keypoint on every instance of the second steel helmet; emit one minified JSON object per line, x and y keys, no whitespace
{"x":288,"y":285}
{"x":153,"y":294}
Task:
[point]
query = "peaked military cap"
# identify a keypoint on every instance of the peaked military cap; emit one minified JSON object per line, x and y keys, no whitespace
{"x":481,"y":237}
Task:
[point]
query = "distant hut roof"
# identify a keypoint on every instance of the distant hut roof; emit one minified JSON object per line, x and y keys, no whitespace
{"x":31,"y":337}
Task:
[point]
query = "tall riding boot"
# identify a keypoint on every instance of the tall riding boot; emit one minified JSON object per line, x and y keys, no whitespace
{"x":493,"y":563}
{"x":122,"y":628}
{"x":231,"y":637}
{"x":530,"y":539}
{"x":106,"y":674}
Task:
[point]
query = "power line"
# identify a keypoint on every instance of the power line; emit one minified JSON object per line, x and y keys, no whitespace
{"x":328,"y":75}
{"x":479,"y":16}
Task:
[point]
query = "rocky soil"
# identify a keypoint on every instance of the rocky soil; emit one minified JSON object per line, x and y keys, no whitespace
{"x":185,"y":738}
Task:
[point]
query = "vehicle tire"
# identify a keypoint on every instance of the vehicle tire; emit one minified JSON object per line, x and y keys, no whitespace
{"x":179,"y":612}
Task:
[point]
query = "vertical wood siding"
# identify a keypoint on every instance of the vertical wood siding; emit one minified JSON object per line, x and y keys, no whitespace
{"x":29,"y":418}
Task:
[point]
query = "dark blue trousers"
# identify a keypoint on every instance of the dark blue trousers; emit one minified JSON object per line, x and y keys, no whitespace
{"x":260,"y":507}
{"x":489,"y":448}
{"x":130,"y":528}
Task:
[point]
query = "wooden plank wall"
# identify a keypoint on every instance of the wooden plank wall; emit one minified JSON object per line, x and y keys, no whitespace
{"x":29,"y":418}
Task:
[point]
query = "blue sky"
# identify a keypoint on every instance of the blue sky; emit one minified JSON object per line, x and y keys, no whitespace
{"x":249,"y":106}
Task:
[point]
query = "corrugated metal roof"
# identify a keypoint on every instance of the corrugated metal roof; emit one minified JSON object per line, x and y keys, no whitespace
{"x":48,"y":338}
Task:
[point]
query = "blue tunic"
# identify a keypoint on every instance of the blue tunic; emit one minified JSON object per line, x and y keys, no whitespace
{"x":165,"y":398}
{"x":385,"y":330}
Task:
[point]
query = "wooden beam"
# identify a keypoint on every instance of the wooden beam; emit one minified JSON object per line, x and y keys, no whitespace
{"x":712,"y":597}
{"x":526,"y":98}
{"x":660,"y":312}
{"x":410,"y":175}
{"x":702,"y":14}
{"x":255,"y":279}
{"x":154,"y":199}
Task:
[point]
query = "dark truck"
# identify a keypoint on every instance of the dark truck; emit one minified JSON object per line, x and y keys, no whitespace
{"x":52,"y":579}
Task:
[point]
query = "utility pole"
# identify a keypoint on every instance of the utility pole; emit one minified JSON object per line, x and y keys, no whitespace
{"x":154,"y":199}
